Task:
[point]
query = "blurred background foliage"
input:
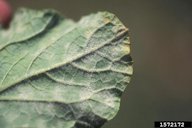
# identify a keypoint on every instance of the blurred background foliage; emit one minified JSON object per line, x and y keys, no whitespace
{"x":161,"y":37}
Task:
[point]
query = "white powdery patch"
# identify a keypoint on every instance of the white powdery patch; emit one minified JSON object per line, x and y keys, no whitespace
{"x":86,"y":94}
{"x":110,"y":102}
{"x":57,"y":93}
{"x":25,"y":93}
{"x":20,"y":29}
{"x":41,"y":123}
{"x":48,"y":109}
{"x":53,"y":39}
{"x":108,"y":99}
{"x":25,"y":126}
{"x":23,"y":96}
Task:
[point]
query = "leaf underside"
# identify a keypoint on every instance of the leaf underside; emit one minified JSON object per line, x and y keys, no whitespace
{"x":57,"y":73}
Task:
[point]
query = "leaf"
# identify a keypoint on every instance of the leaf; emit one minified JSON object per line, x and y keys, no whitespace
{"x":55,"y":73}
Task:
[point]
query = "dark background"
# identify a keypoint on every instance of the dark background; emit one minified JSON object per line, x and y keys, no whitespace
{"x":161,"y":36}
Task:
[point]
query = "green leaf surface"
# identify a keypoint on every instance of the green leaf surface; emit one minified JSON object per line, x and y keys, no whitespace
{"x":57,"y":73}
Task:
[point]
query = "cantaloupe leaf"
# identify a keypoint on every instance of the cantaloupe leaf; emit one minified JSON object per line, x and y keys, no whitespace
{"x":57,"y":73}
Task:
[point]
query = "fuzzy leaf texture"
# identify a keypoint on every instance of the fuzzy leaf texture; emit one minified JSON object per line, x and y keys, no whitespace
{"x":57,"y":73}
